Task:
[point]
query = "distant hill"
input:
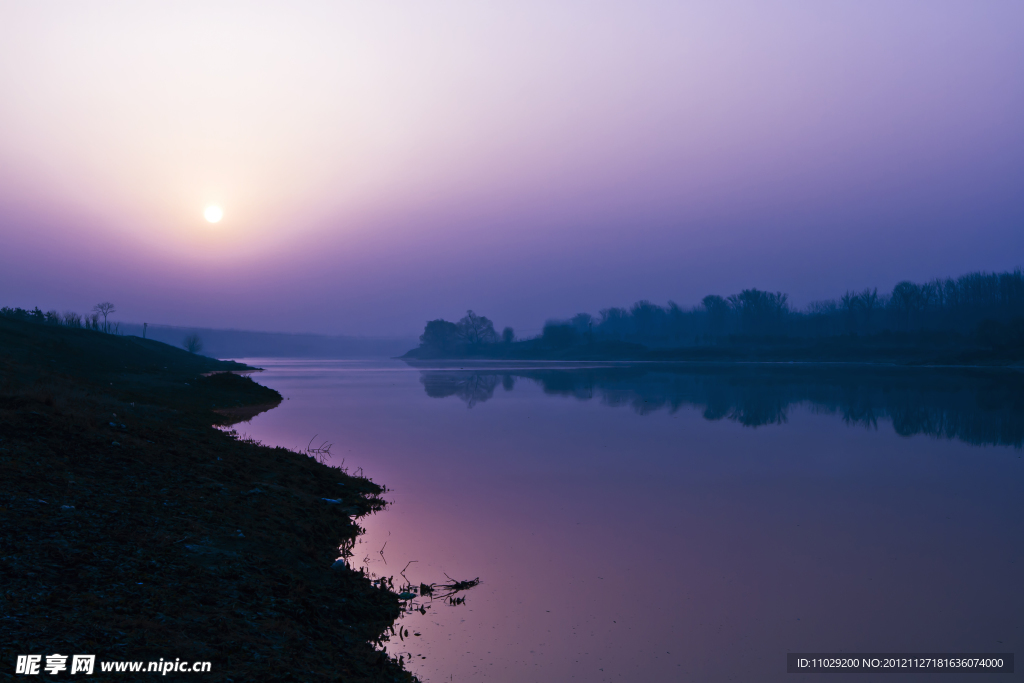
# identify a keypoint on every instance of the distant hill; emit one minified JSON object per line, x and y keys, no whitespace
{"x":247,"y":344}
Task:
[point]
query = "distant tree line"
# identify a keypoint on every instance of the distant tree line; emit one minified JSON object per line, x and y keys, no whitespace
{"x":989,"y":307}
{"x":97,"y":320}
{"x":991,"y":304}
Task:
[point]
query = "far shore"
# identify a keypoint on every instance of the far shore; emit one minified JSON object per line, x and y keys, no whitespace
{"x":887,"y":349}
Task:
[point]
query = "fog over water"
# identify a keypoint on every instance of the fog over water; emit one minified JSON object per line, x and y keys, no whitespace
{"x":662,"y":523}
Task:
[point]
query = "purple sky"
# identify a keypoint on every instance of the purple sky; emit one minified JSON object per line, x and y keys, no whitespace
{"x":383,"y":164}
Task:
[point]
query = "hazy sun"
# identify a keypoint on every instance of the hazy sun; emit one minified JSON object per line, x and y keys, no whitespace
{"x":213,"y":214}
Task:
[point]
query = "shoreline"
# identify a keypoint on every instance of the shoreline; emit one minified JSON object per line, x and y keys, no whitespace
{"x":523,"y":363}
{"x":134,"y":529}
{"x":725,"y":355}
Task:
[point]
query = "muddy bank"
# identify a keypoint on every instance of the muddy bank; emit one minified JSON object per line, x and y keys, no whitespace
{"x":132,"y":529}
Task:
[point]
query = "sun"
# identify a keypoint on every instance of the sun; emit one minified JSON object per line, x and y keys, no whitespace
{"x":213,"y":214}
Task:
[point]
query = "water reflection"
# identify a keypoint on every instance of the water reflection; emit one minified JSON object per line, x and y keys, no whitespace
{"x":659,"y":544}
{"x":978,"y":406}
{"x":471,"y":387}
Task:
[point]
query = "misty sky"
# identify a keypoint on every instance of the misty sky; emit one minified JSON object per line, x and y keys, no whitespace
{"x":381,"y":164}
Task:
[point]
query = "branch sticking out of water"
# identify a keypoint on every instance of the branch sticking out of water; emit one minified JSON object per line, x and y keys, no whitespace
{"x":321,"y":452}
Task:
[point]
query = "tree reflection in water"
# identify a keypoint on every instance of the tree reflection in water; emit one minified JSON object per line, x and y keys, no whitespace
{"x":471,"y":387}
{"x":977,"y":405}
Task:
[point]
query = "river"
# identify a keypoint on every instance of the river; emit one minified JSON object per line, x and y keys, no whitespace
{"x":669,"y":522}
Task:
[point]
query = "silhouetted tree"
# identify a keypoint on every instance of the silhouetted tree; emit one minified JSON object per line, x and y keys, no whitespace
{"x":440,"y":335}
{"x":582,"y":322}
{"x":648,"y":320}
{"x":717,"y":309}
{"x":104,"y":309}
{"x":760,"y":312}
{"x":868,"y":303}
{"x":508,"y":335}
{"x":905,"y":298}
{"x":476,"y":329}
{"x":192,"y":343}
{"x":615,"y":323}
{"x":677,"y":326}
{"x":822,"y":317}
{"x":850,"y":303}
{"x":950,"y":294}
{"x":33,"y":316}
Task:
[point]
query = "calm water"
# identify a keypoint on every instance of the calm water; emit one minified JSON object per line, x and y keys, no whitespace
{"x":658,"y":523}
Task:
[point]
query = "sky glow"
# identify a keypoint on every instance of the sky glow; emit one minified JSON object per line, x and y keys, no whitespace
{"x":385,"y":165}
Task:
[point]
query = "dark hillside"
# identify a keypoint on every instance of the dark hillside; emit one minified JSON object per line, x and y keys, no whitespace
{"x":132,"y":529}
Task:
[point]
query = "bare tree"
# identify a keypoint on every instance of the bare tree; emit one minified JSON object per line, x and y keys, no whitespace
{"x":476,"y":329}
{"x":104,"y":309}
{"x":717,"y":310}
{"x":850,"y":302}
{"x":869,"y":302}
{"x":192,"y":343}
{"x":905,"y":298}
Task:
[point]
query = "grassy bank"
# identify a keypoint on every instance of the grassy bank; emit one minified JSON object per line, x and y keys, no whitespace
{"x":132,"y":529}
